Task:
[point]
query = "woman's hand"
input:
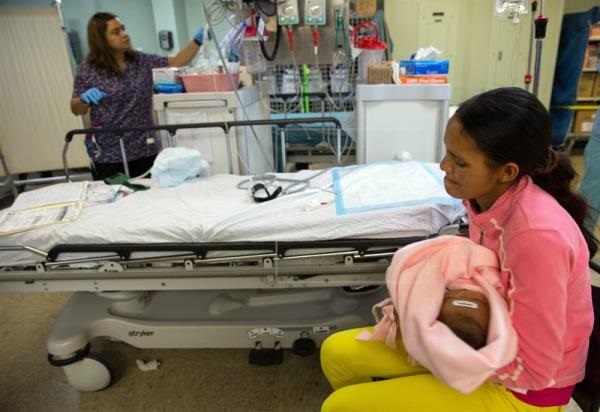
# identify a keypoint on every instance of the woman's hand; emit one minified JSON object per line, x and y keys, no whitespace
{"x":92,"y":95}
{"x":199,"y":36}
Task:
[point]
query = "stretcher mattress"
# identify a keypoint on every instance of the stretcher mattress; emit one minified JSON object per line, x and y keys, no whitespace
{"x":387,"y":200}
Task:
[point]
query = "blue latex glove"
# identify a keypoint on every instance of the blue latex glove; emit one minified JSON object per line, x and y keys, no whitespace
{"x":199,"y":36}
{"x":92,"y":96}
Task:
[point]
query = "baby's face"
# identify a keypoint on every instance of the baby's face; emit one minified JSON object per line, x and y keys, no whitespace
{"x":466,"y":302}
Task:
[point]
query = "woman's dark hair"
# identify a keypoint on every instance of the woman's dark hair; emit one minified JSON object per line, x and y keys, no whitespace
{"x":100,"y":56}
{"x":510,"y":124}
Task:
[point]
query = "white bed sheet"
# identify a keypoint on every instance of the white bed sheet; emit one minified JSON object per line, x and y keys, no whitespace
{"x":214,"y":210}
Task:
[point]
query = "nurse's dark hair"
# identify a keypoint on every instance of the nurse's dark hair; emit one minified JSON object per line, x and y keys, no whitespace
{"x":100,"y":56}
{"x":510,"y":124}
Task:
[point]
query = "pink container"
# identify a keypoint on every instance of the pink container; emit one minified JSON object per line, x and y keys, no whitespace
{"x":217,"y":82}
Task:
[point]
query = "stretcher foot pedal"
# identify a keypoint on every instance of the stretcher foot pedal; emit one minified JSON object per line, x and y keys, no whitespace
{"x":266,"y":356}
{"x":304,"y":346}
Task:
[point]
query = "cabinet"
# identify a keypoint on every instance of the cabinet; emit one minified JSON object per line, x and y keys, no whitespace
{"x":395,"y":119}
{"x":254,"y":152}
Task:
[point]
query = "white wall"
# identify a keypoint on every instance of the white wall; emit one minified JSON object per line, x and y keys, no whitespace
{"x":165,"y":19}
{"x":576,"y":6}
{"x":137,"y":15}
{"x":481,"y":36}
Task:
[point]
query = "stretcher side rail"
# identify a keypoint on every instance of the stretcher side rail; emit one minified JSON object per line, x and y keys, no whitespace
{"x":346,"y":262}
{"x":220,"y":277}
{"x":225,"y":125}
{"x":200,"y":250}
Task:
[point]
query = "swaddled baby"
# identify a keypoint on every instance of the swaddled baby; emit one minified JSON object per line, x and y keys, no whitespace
{"x":448,"y":304}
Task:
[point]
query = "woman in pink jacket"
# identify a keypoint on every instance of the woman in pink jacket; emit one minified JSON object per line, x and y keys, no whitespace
{"x":519,"y":202}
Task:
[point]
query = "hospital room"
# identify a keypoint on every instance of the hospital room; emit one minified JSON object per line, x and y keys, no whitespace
{"x":300,"y":205}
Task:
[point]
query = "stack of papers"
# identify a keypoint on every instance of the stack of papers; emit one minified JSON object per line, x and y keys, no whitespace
{"x":59,"y":203}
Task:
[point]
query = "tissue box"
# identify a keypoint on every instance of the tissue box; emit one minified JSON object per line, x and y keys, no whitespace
{"x":380,"y":73}
{"x":166,"y":75}
{"x":419,"y":67}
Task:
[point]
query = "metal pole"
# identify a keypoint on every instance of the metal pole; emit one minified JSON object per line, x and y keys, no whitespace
{"x":9,"y":179}
{"x":283,"y":154}
{"x":53,"y":179}
{"x":338,"y":141}
{"x":531,"y":34}
{"x":124,"y":156}
{"x":541,"y":22}
{"x":65,"y":163}
{"x":538,"y":62}
{"x":322,"y":115}
{"x":229,"y":156}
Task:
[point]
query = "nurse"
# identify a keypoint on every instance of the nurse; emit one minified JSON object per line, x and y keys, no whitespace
{"x":114,"y":84}
{"x":517,"y":193}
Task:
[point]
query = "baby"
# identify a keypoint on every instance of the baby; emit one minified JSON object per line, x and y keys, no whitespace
{"x":448,"y":292}
{"x":467,"y":314}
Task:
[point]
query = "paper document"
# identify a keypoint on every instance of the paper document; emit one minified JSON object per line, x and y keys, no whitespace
{"x":50,"y":195}
{"x":22,"y":220}
{"x":59,"y":203}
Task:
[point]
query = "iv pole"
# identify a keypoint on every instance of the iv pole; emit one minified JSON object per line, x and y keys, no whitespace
{"x":541,"y":22}
{"x":528,"y":77}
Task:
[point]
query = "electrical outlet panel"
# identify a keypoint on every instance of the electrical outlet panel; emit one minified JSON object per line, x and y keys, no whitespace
{"x":287,"y":12}
{"x":314,"y":12}
{"x":341,"y":7}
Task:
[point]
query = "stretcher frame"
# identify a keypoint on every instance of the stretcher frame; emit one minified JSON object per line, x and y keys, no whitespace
{"x":127,"y":291}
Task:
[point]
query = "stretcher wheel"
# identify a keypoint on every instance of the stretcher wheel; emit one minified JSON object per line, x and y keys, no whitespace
{"x":90,"y":374}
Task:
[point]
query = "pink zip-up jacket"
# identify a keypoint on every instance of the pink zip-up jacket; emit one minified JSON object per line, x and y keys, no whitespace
{"x":417,"y":279}
{"x":544,"y":266}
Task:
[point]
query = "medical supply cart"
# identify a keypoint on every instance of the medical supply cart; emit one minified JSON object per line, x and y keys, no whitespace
{"x":394,"y":121}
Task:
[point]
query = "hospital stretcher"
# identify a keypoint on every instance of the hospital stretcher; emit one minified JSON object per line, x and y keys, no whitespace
{"x":201,"y":265}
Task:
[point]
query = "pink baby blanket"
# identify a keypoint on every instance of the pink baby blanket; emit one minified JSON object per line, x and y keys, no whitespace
{"x":417,"y":279}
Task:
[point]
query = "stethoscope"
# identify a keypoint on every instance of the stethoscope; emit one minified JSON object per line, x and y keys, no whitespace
{"x":265,"y":187}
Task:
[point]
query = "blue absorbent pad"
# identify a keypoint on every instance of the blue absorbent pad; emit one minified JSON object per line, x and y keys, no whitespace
{"x":388,"y":185}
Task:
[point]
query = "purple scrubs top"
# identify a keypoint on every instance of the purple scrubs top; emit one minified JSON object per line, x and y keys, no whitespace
{"x":128,"y":103}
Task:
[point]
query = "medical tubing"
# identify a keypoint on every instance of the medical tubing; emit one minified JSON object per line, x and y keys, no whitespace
{"x":234,"y":88}
{"x":304,"y":183}
{"x":217,"y":10}
{"x":270,"y":57}
{"x":172,"y":128}
{"x":336,"y":108}
{"x":297,"y":81}
{"x":271,"y":12}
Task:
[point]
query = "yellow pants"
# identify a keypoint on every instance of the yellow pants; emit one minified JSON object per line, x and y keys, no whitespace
{"x":349,"y":365}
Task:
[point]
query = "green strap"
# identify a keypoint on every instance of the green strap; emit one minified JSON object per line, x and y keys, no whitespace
{"x":123,"y":179}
